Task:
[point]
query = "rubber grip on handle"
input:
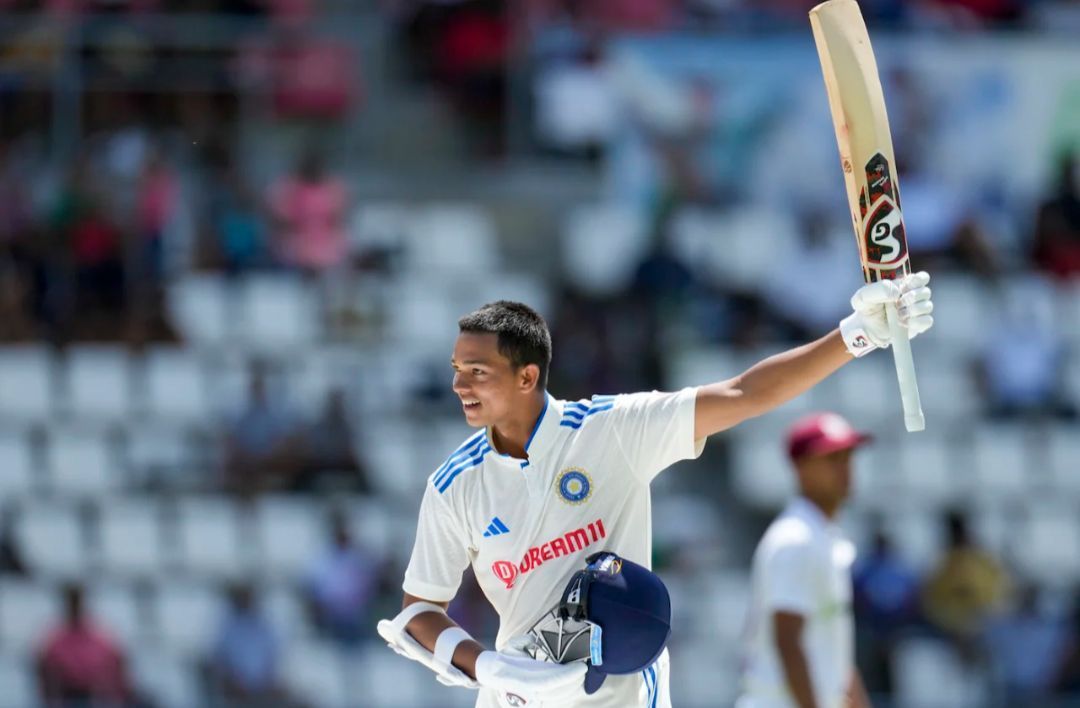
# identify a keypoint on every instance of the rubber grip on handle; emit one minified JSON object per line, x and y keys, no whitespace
{"x":905,"y":372}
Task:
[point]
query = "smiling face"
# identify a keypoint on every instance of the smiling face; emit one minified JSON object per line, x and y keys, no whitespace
{"x":489,"y":385}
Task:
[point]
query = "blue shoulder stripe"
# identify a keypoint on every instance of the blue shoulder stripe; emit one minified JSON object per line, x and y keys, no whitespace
{"x":468,"y":447}
{"x":477,"y":457}
{"x":574,"y":414}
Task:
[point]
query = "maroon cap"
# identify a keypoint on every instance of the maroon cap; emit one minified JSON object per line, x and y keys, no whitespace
{"x":822,"y":433}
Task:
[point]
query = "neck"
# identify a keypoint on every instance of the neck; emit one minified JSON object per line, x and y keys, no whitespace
{"x":827,"y":507}
{"x":511,"y":436}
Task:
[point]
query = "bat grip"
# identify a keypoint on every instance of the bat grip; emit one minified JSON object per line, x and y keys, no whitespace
{"x":905,"y":372}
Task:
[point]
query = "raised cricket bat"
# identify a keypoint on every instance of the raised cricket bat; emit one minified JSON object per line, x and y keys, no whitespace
{"x":866,"y":155}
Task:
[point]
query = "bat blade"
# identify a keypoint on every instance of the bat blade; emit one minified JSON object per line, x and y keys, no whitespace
{"x":857,"y":104}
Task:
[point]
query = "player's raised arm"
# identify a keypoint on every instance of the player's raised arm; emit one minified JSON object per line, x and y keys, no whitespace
{"x":777,"y":379}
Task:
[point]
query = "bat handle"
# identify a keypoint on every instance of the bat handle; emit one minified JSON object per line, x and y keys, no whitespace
{"x":905,"y":372}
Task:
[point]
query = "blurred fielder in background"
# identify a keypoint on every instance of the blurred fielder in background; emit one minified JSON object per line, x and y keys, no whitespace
{"x":800,"y":636}
{"x":548,"y":482}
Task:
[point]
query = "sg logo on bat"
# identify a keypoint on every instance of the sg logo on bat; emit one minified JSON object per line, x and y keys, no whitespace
{"x":883,"y":231}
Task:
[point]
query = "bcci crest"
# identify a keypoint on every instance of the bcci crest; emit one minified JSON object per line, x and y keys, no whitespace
{"x":574,"y":485}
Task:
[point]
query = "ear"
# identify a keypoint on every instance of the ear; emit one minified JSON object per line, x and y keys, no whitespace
{"x":528,"y":377}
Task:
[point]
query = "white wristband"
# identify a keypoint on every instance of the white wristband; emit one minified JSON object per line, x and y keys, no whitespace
{"x":445,"y":645}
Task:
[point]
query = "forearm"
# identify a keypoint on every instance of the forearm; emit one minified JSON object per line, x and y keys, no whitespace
{"x":768,"y":384}
{"x":857,"y":696}
{"x":426,"y":628}
{"x":797,"y":675}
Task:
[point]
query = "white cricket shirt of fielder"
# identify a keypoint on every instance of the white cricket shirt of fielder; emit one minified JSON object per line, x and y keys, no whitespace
{"x":526,"y":526}
{"x":802,"y":565}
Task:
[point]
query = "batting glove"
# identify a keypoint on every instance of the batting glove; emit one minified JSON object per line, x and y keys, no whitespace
{"x":867,"y":328}
{"x":524,"y":681}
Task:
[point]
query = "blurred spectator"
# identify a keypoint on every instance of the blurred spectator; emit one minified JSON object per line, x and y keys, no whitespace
{"x":341,"y":585}
{"x":156,"y":204}
{"x":79,"y":663}
{"x":11,"y":557}
{"x":1067,"y":662}
{"x":309,"y":207}
{"x":1024,"y":644}
{"x":1021,"y":367}
{"x":241,"y":241}
{"x":330,"y":459}
{"x":244,"y":661}
{"x":886,"y":597}
{"x":966,"y":587}
{"x":1057,"y":226}
{"x":263,"y":442}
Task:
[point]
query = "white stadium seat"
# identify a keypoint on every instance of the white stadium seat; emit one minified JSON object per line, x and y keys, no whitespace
{"x":278,"y":313}
{"x":166,"y":676}
{"x":81,"y":464}
{"x":601,"y":247}
{"x":157,"y":454}
{"x":116,"y":609}
{"x":1064,"y":459}
{"x":960,"y":308}
{"x":51,"y":536}
{"x":130,"y":538}
{"x":291,"y":533}
{"x":27,"y":611}
{"x":930,"y":675}
{"x":452,"y":238}
{"x":917,"y":535}
{"x":1048,"y":543}
{"x":18,"y":683}
{"x":18,"y":474}
{"x":210,"y":538}
{"x":761,"y":474}
{"x":26,"y":383}
{"x":202,"y":307}
{"x":389,"y":683}
{"x":175,"y":386}
{"x":314,"y":671}
{"x":1001,"y":463}
{"x":286,"y":613}
{"x":99,"y":384}
{"x":187,"y":616}
{"x":929,"y":474}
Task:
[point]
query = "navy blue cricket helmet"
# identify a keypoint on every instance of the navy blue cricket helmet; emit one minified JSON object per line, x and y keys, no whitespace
{"x":615,"y":615}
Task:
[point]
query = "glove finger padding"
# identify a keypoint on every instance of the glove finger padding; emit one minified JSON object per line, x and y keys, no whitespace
{"x":871,"y":297}
{"x":914,"y":281}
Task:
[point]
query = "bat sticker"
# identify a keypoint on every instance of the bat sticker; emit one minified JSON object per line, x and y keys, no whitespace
{"x":884,"y":237}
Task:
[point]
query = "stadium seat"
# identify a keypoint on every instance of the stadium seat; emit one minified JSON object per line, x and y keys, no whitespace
{"x":131,"y":542}
{"x":960,"y":311}
{"x":929,"y":475}
{"x":202,"y":308}
{"x":1064,"y":458}
{"x":761,"y":475}
{"x":27,"y":611}
{"x":175,"y":386}
{"x":157,"y":455}
{"x":99,"y":384}
{"x":26,"y":383}
{"x":278,"y":313}
{"x":1048,"y":543}
{"x":601,"y":247}
{"x":187,"y":615}
{"x":451,"y":238}
{"x":946,"y":388}
{"x":285,"y":610}
{"x":725,"y":600}
{"x":703,"y":673}
{"x":917,"y":535}
{"x":115,"y":608}
{"x":389,"y":682}
{"x":314,"y":672}
{"x":18,"y":473}
{"x":869,"y":392}
{"x":380,"y":226}
{"x":1001,"y":463}
{"x":18,"y":685}
{"x":696,"y":366}
{"x":165,"y":676}
{"x":81,"y":464}
{"x":51,"y":535}
{"x":291,"y":532}
{"x":210,"y":539}
{"x":930,"y":675}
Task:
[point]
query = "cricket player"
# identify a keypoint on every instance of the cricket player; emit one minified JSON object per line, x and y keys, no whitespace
{"x":800,"y":638}
{"x":545,"y":483}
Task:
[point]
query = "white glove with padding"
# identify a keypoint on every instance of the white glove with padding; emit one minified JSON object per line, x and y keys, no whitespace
{"x":867,"y":328}
{"x":511,"y":671}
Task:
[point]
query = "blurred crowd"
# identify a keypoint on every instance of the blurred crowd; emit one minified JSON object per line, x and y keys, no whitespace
{"x":160,"y":188}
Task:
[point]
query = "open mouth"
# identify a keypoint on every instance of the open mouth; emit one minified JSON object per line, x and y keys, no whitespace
{"x":470,"y":405}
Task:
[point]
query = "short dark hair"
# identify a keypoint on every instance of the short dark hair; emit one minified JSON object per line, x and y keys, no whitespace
{"x":523,"y":335}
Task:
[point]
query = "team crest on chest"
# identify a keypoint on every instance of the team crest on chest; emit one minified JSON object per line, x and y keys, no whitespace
{"x":574,"y":485}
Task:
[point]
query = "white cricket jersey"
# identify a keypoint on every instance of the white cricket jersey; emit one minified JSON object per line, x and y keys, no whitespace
{"x":526,"y":526}
{"x":802,"y":565}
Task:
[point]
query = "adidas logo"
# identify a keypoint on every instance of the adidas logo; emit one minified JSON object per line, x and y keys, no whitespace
{"x":496,"y":528}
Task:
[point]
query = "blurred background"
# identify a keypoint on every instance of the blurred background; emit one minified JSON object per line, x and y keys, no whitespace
{"x":236,"y":235}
